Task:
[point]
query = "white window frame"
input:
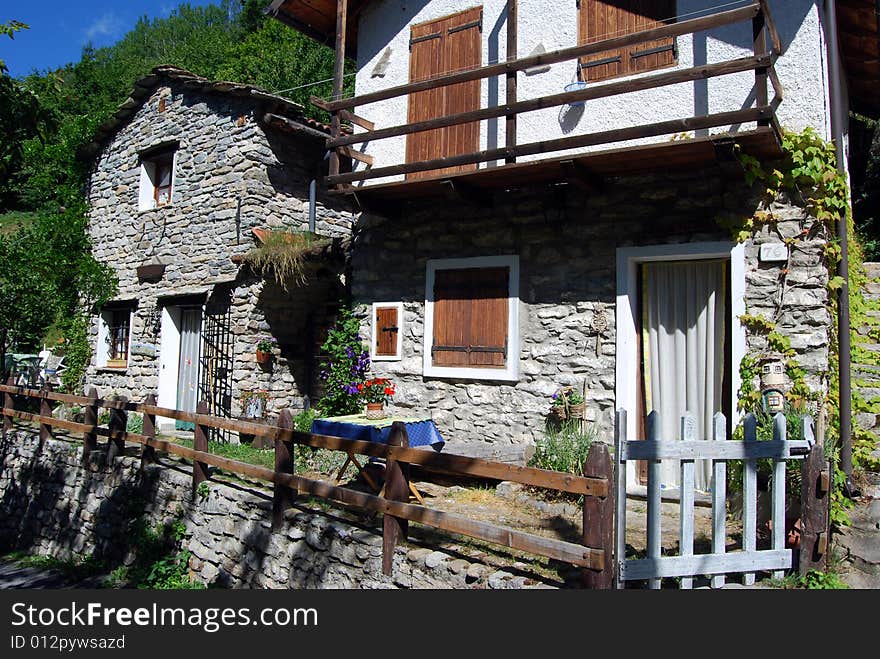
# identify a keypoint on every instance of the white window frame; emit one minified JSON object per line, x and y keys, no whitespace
{"x":147,"y":190}
{"x":398,"y":350}
{"x":510,"y":373}
{"x":628,"y":260}
{"x":102,"y":351}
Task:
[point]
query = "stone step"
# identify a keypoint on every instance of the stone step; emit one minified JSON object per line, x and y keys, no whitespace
{"x":872,"y":269}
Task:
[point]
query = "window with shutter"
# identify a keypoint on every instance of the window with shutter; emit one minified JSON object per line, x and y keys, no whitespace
{"x":157,"y":179}
{"x":602,"y":19}
{"x":387,"y":327}
{"x":471,"y":328}
{"x":441,"y":46}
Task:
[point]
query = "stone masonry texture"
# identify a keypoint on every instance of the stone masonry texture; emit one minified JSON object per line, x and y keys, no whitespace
{"x":567,"y":241}
{"x":52,"y":505}
{"x":232,"y":174}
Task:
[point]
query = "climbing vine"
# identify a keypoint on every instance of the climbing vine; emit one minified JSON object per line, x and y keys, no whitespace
{"x":808,"y":174}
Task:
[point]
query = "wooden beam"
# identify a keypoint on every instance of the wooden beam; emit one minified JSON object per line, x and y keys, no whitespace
{"x":366,"y":124}
{"x":510,"y":83}
{"x":578,"y":175}
{"x":763,"y":113}
{"x":771,"y":27}
{"x":355,"y":155}
{"x":338,"y":73}
{"x":759,"y":29}
{"x":662,"y":32}
{"x":553,"y":100}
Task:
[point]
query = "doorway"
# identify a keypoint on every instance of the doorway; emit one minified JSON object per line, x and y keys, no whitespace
{"x":179,"y":354}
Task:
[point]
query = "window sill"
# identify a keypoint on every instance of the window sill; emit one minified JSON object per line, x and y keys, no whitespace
{"x":111,"y":369}
{"x":155,"y":209}
{"x":508,"y":374}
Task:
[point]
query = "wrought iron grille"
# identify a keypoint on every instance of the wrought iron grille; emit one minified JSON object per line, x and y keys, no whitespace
{"x":215,"y":385}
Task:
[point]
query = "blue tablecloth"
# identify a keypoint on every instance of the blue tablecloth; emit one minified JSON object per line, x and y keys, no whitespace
{"x":421,"y":432}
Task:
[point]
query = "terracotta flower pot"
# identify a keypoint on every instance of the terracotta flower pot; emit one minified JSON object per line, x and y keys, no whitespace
{"x":263,"y":357}
{"x":375,"y":410}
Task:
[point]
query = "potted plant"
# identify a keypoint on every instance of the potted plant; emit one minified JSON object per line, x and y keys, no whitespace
{"x":374,"y":393}
{"x":264,"y":349}
{"x":568,"y":404}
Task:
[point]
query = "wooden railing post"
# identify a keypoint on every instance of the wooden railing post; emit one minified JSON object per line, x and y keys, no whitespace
{"x":45,"y":411}
{"x":510,"y":83}
{"x":9,"y":404}
{"x":719,"y":497}
{"x":599,"y":517}
{"x":396,"y":489}
{"x":686,"y":497}
{"x":338,"y":78}
{"x":815,"y":487}
{"x":90,"y":418}
{"x":283,"y":497}
{"x":759,"y":29}
{"x":200,"y":443}
{"x":750,"y":495}
{"x":620,"y":487}
{"x":117,"y":425}
{"x":148,"y":453}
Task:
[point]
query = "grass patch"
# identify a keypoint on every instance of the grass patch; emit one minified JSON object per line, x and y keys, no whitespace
{"x":14,"y":220}
{"x":812,"y":580}
{"x":71,"y":570}
{"x":478,"y":496}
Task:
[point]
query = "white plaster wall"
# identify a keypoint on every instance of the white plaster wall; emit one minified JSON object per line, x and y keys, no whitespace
{"x":801,"y":70}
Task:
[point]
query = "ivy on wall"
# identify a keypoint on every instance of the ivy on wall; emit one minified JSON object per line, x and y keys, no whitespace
{"x":808,"y":175}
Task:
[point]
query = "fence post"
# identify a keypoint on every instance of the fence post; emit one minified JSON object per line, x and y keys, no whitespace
{"x":9,"y":404}
{"x":620,"y":485}
{"x":45,"y":411}
{"x":654,"y":502}
{"x":90,"y":418}
{"x":815,"y":486}
{"x":719,"y":497}
{"x":599,"y":517}
{"x":117,"y":425}
{"x":200,"y":443}
{"x":396,"y":489}
{"x":750,"y":495}
{"x":148,"y":453}
{"x":282,"y":496}
{"x":688,"y":433}
{"x":778,"y":494}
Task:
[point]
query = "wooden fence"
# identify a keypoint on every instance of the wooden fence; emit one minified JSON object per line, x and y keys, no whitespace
{"x":718,"y":562}
{"x":595,"y":555}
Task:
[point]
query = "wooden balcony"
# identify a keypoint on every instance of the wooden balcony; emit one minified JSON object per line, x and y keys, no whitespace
{"x":626,"y":152}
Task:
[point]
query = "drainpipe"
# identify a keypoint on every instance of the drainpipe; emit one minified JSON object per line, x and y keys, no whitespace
{"x":313,"y":186}
{"x":839,"y":119}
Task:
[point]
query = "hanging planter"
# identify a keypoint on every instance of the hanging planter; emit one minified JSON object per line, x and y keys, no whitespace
{"x":263,"y":357}
{"x":264,"y":349}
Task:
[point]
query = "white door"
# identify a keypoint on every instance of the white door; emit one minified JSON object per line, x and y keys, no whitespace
{"x":188,"y":368}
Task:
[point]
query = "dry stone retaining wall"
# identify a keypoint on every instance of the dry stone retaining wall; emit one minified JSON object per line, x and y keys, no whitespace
{"x":51,"y":505}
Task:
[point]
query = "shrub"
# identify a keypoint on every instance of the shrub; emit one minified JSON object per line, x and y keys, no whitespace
{"x":563,"y":448}
{"x":345,"y":366}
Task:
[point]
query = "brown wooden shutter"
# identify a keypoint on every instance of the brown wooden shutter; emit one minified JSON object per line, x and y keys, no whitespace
{"x":437,"y":47}
{"x":386,"y":331}
{"x":602,"y":19}
{"x":470,"y":317}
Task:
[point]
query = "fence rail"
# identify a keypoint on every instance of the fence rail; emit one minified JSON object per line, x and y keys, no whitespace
{"x":595,"y":555}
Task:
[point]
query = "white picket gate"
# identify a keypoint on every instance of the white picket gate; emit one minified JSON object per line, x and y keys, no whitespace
{"x":719,"y":450}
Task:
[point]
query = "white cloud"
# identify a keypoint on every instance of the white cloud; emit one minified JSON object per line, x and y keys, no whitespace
{"x":107,"y":26}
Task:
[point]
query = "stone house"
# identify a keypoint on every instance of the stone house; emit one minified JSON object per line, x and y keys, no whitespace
{"x":545,"y":191}
{"x":183,"y":180}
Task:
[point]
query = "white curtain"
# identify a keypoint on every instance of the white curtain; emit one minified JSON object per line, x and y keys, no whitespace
{"x":683,"y":342}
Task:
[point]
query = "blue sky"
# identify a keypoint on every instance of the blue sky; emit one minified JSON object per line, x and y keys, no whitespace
{"x":60,"y":28}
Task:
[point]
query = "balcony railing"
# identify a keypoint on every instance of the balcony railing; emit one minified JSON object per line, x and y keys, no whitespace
{"x":766,"y":49}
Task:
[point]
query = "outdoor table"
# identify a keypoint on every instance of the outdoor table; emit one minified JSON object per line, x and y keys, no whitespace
{"x":420,"y":431}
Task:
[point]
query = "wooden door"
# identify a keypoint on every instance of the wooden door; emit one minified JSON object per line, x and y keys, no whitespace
{"x":438,"y":47}
{"x":603,"y":19}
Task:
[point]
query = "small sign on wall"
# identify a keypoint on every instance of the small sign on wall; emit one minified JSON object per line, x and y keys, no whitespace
{"x":143,"y":349}
{"x":773,"y":252}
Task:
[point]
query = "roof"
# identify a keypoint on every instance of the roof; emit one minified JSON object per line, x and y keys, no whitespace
{"x":164,"y":74}
{"x":858,"y":26}
{"x":317,"y":19}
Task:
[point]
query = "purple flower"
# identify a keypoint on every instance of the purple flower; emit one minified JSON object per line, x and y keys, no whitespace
{"x":350,"y":388}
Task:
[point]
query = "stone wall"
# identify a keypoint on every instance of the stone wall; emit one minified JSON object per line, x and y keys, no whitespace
{"x":51,"y":505}
{"x":567,"y":241}
{"x":232,"y":174}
